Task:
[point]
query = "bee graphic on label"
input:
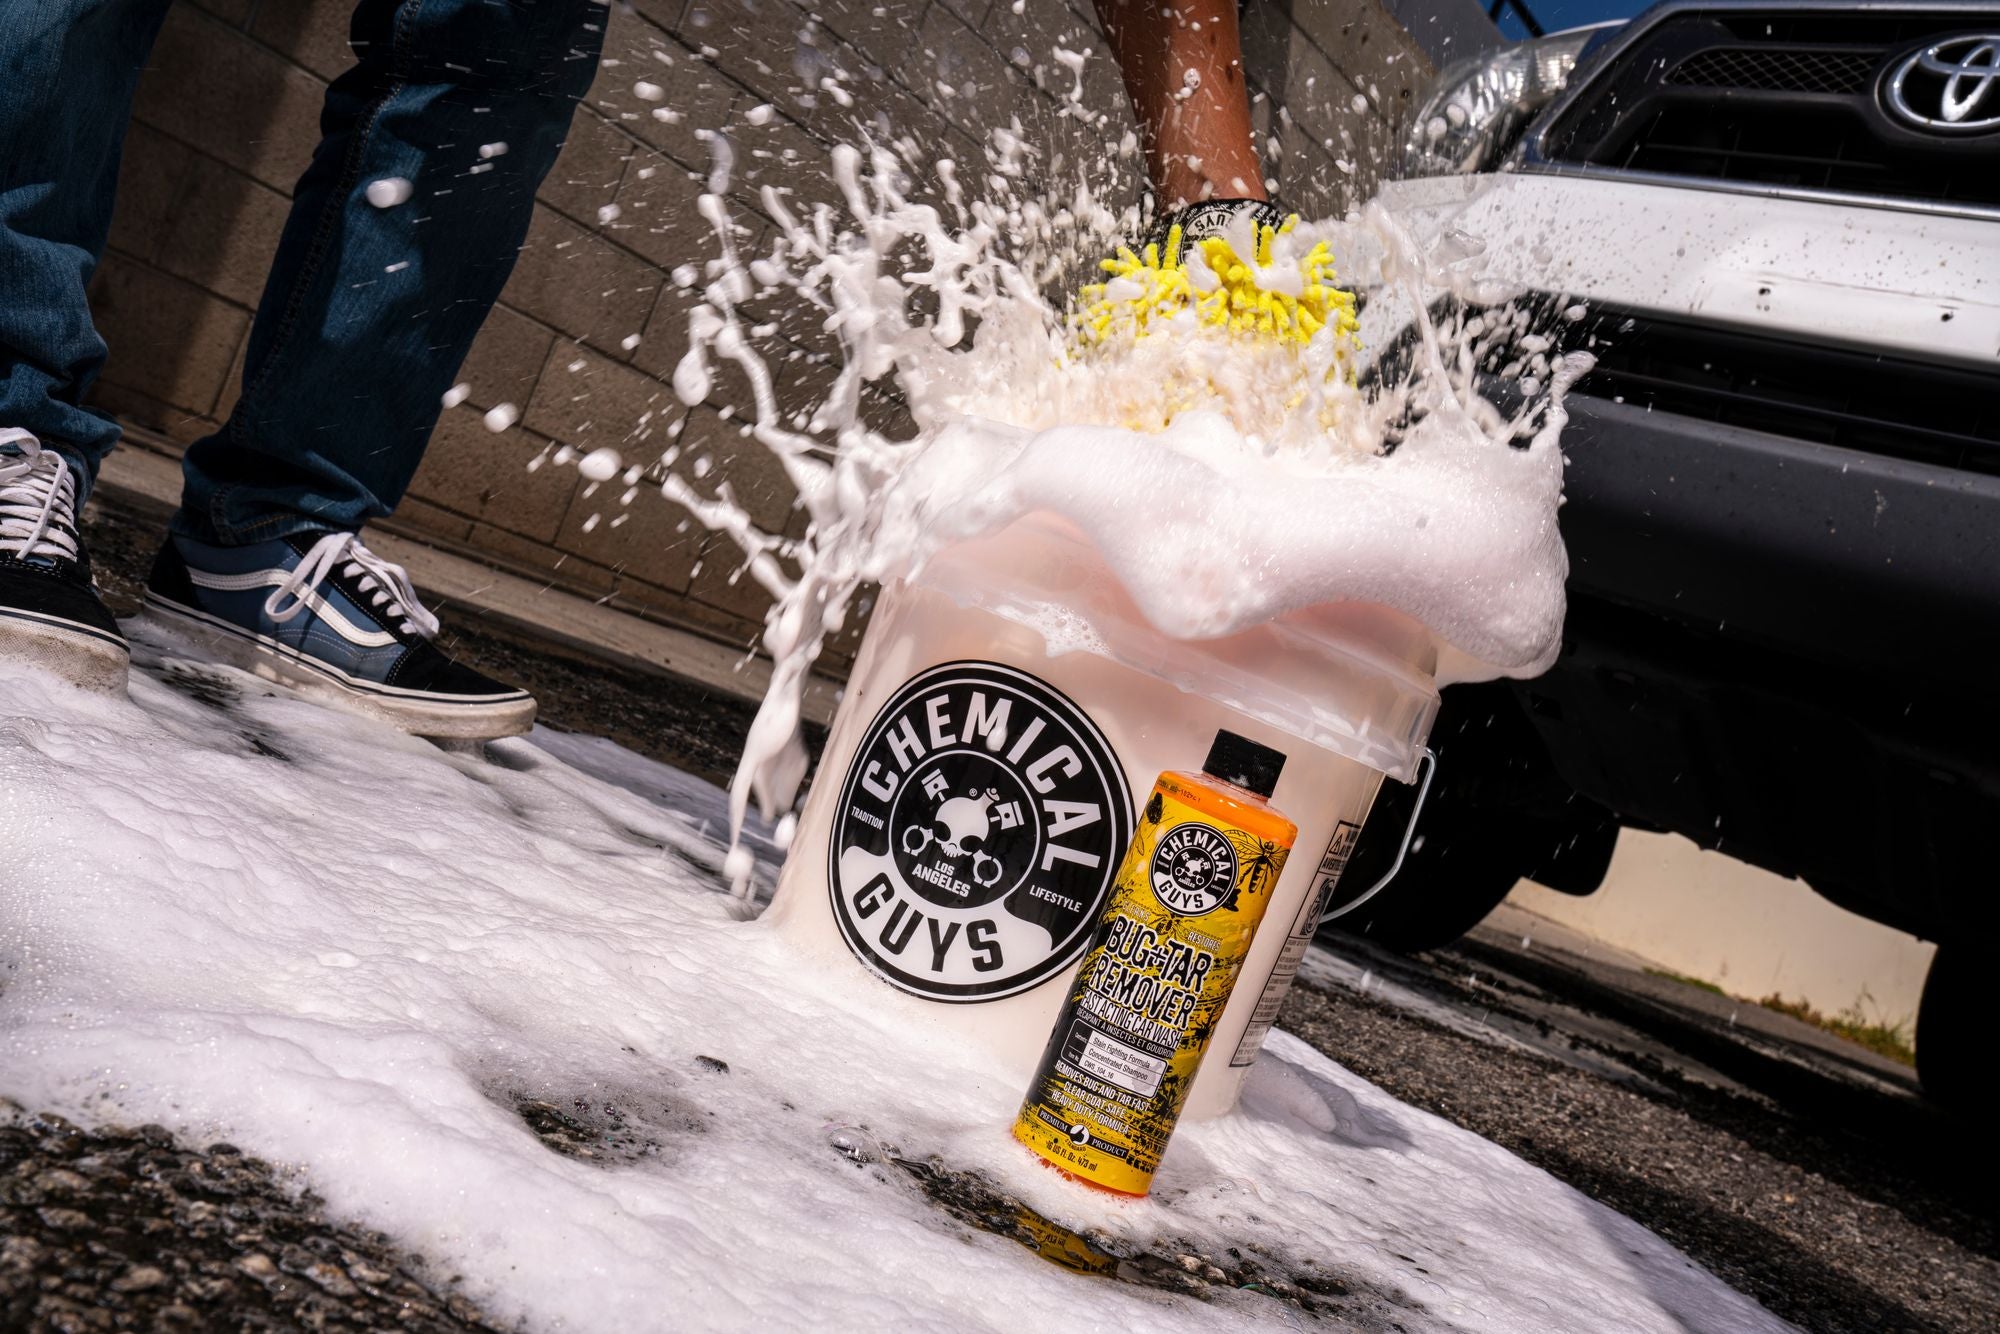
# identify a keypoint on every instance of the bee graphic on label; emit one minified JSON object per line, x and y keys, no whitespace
{"x":1260,"y":859}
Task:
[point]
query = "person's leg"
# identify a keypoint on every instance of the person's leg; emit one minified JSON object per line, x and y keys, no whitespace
{"x":67,"y":71}
{"x":370,"y":310}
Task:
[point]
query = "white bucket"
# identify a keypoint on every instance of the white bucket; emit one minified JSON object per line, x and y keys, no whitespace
{"x":1007,"y":708}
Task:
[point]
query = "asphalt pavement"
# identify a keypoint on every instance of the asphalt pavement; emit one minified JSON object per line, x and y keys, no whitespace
{"x":1803,"y":1170}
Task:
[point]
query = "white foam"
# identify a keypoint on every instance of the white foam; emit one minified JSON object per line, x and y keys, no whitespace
{"x":1226,"y":480}
{"x":356,"y":959}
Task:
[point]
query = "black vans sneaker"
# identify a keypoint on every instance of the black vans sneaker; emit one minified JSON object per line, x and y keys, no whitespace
{"x":50,"y":614}
{"x":322,"y":614}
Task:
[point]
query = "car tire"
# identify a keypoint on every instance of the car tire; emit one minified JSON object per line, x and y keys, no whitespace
{"x":1954,"y":1035}
{"x":1446,"y":887}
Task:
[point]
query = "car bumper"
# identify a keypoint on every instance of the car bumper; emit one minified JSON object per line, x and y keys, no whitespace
{"x":1828,"y":553}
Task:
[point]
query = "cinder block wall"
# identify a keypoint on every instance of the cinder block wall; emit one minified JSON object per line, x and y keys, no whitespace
{"x":227,"y":117}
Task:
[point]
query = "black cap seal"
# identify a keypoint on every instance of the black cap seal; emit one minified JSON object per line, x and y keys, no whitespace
{"x":1239,"y":760}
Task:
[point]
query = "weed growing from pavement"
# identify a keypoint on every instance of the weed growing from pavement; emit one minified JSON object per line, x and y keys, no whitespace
{"x":1890,"y":1040}
{"x":1685,"y":980}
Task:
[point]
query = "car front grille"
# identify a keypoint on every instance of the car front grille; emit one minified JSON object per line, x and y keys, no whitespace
{"x":1765,"y":69}
{"x":1787,"y":100}
{"x":1877,"y":405}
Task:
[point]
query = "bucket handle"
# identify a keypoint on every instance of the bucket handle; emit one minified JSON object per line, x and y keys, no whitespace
{"x":1429,"y":765}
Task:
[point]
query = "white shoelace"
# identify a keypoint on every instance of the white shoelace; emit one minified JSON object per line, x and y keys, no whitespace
{"x":37,"y":499}
{"x":388,"y":583}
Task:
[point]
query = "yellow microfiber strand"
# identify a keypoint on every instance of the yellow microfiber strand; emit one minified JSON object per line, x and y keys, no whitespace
{"x":1164,"y":292}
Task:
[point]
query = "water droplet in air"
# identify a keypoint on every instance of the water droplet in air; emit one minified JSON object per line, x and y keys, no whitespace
{"x":389,"y":191}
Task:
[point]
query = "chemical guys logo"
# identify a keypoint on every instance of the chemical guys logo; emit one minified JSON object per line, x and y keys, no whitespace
{"x":980,"y":825}
{"x":1194,"y":869}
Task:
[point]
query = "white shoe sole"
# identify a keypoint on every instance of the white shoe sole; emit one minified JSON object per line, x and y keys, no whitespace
{"x":83,"y":656}
{"x":458,"y":719}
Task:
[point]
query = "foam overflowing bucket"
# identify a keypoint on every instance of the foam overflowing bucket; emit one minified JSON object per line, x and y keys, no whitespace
{"x":977,"y":787}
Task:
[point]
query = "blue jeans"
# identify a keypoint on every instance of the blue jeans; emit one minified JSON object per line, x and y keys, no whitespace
{"x":368,"y":312}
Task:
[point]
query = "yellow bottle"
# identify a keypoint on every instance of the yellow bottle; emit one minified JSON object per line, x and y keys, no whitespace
{"x":1183,"y":910}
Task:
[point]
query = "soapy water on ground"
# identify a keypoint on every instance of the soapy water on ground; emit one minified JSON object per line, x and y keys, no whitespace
{"x":497,"y":1003}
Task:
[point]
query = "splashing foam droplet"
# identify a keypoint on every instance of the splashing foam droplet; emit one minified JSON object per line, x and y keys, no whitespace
{"x":389,"y":191}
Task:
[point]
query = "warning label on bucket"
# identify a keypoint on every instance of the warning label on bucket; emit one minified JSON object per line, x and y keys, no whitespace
{"x":1109,"y":1059}
{"x":1296,"y":942}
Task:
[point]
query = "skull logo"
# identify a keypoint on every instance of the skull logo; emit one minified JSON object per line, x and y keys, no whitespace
{"x":960,"y":828}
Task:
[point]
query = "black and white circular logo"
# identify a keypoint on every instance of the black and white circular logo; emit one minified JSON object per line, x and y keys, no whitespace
{"x":1194,"y":867}
{"x":979,"y":827}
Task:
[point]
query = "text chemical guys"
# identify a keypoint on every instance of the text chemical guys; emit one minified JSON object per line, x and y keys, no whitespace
{"x":1184,"y":909}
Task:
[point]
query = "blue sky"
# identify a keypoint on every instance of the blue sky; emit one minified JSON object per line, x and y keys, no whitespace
{"x":1555,"y":15}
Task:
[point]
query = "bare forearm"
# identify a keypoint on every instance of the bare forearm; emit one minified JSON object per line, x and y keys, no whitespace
{"x":1183,"y":67}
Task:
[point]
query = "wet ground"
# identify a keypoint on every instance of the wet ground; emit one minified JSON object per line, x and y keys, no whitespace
{"x":1803,"y":1170}
{"x":1807,"y":1173}
{"x":126,"y":1229}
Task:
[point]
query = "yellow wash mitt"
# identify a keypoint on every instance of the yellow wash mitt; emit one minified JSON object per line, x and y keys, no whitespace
{"x":1142,"y":288}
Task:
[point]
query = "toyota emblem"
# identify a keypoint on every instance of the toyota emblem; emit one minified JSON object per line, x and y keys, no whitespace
{"x":1948,"y":87}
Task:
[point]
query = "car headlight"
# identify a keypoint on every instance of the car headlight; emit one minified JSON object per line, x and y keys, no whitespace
{"x":1479,"y":107}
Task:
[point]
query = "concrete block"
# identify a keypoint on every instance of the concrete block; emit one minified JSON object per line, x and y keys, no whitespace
{"x":176,"y":426}
{"x":542,"y":561}
{"x":212,"y":87}
{"x":578,"y":281}
{"x":233,"y":12}
{"x":697,"y":97}
{"x":974,"y":12}
{"x":716,"y":454}
{"x":879,"y":29}
{"x":656,"y":212}
{"x":601,"y":402}
{"x":506,"y":359}
{"x":224,"y":231}
{"x":151,"y":176}
{"x":1027,"y":40}
{"x":657,"y":543}
{"x":782,"y":155}
{"x":665,"y":339}
{"x":418,"y":515}
{"x":587,"y":175}
{"x":311,"y":32}
{"x":756,"y":42}
{"x":722,"y":581}
{"x":471,"y":471}
{"x":630,"y":39}
{"x":1369,"y":47}
{"x":954,"y":71}
{"x":169,"y":339}
{"x":232,"y":387}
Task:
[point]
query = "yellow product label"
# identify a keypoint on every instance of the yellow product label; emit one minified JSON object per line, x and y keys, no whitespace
{"x":1183,"y":911}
